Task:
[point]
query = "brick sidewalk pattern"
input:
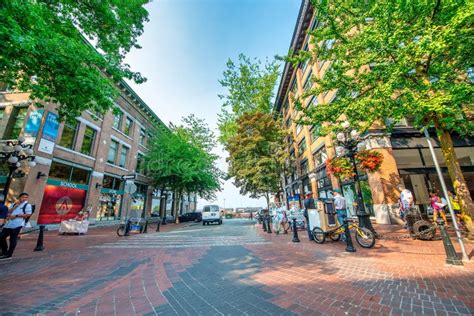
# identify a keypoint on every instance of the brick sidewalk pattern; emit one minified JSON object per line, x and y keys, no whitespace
{"x":253,"y":273}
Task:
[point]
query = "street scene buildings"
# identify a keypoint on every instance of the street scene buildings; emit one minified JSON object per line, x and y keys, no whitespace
{"x":85,"y":159}
{"x":406,"y":157}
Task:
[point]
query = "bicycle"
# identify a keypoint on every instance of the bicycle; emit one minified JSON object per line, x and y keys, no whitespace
{"x":131,"y":225}
{"x":364,"y":237}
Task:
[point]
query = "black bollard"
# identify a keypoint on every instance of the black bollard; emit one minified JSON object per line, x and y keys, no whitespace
{"x":269,"y":224}
{"x":451,"y":255}
{"x":295,"y":232}
{"x":164,"y":220}
{"x":39,"y":242}
{"x":145,"y":230}
{"x":158,"y":226}
{"x":127,"y":228}
{"x":347,"y":233}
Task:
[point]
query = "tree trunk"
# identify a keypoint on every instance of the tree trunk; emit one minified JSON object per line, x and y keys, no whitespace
{"x":460,"y":187}
{"x":177,"y":200}
{"x":267,"y":197}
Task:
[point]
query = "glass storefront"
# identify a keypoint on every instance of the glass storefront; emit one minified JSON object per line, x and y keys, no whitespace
{"x":156,"y":202}
{"x":349,"y":192}
{"x":138,"y":201}
{"x":110,"y":200}
{"x":418,"y":174}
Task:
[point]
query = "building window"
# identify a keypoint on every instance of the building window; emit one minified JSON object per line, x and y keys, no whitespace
{"x":140,"y":164}
{"x":304,"y":167}
{"x":118,"y":120}
{"x":63,"y":172}
{"x":88,"y":141}
{"x":314,"y":24}
{"x":142,"y":136}
{"x":315,"y":132}
{"x":123,"y":156}
{"x":110,"y":182}
{"x":2,"y":112}
{"x":320,"y":156}
{"x":68,"y":137}
{"x":308,"y":83}
{"x":112,"y":151}
{"x":16,"y":123}
{"x":302,"y":147}
{"x":314,"y":101}
{"x":288,"y":123}
{"x":293,"y":86}
{"x":128,"y":126}
{"x":299,"y":128}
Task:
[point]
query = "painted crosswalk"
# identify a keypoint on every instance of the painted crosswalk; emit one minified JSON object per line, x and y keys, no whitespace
{"x":225,"y":235}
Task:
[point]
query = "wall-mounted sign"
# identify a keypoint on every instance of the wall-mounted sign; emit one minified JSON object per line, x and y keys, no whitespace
{"x":46,"y":146}
{"x":51,"y":126}
{"x":33,"y":124}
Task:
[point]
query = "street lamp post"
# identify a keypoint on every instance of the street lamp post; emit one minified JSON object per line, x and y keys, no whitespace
{"x":349,"y":143}
{"x":13,"y":153}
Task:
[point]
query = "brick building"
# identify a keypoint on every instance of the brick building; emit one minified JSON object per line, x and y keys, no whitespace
{"x":85,"y":160}
{"x":407,"y":159}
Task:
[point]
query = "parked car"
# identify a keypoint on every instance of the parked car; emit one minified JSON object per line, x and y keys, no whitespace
{"x":190,"y":217}
{"x":211,"y":214}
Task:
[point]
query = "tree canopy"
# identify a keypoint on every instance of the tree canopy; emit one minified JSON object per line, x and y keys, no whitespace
{"x":181,"y":163}
{"x":257,"y":155}
{"x":45,"y":49}
{"x":250,"y":88}
{"x":394,"y":60}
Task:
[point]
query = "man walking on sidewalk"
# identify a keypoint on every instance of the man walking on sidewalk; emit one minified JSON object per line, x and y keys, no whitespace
{"x":308,"y":205}
{"x":16,"y":220}
{"x":341,"y":208}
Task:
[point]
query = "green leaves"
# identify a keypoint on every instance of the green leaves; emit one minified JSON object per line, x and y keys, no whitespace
{"x":257,"y":154}
{"x":394,"y":60}
{"x":45,"y":40}
{"x":181,"y":159}
{"x":249,"y":89}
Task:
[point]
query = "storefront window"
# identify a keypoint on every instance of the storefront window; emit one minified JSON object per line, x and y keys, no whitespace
{"x":138,"y":200}
{"x":80,"y":176}
{"x":110,"y":182}
{"x":63,"y":172}
{"x":59,"y":171}
{"x":88,"y":141}
{"x":68,"y":136}
{"x":109,"y":206}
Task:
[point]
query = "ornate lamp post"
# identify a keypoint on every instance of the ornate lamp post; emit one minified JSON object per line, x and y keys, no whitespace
{"x":349,"y":143}
{"x":13,"y":153}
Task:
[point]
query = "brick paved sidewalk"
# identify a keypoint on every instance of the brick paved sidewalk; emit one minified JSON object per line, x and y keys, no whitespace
{"x":398,"y":276}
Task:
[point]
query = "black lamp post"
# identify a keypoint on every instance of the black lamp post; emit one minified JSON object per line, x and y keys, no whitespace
{"x":349,"y":143}
{"x":13,"y":152}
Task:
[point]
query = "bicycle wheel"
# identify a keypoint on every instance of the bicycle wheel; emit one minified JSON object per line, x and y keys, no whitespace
{"x":319,"y":235}
{"x":121,"y":231}
{"x":365,"y":238}
{"x":335,"y":236}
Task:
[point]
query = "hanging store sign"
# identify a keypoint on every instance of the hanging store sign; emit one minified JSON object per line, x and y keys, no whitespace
{"x":33,"y":124}
{"x":50,"y":133}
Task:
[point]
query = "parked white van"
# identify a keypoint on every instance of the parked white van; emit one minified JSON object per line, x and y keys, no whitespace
{"x":211,"y":214}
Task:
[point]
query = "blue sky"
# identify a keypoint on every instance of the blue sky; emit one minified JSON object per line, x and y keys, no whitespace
{"x":185,"y":47}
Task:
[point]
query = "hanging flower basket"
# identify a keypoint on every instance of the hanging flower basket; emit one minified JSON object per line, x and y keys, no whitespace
{"x":340,"y":167}
{"x":369,"y":160}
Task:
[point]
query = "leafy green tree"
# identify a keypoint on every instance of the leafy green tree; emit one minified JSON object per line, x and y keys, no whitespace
{"x":394,"y":60}
{"x":250,"y":88}
{"x":45,"y":50}
{"x":180,"y":163}
{"x":257,"y":155}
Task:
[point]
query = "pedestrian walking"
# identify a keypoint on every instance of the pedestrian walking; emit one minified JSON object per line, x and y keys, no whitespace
{"x":407,"y":202}
{"x":340,"y":205}
{"x":17,"y":214}
{"x":456,"y":207}
{"x":438,"y":207}
{"x":308,"y":205}
{"x":3,"y":212}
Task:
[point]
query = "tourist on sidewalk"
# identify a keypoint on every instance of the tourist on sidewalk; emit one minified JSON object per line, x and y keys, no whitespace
{"x":341,"y":208}
{"x":456,"y":208}
{"x":407,"y":202}
{"x":16,"y":220}
{"x":438,"y":207}
{"x":3,"y":212}
{"x":308,"y":205}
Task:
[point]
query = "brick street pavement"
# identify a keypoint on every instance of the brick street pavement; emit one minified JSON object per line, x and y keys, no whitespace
{"x":232,"y":269}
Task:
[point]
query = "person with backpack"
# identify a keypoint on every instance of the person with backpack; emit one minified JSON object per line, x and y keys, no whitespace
{"x":308,"y":205}
{"x":18,"y":213}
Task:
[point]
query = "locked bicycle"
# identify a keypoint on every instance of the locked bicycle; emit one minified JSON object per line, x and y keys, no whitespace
{"x":364,"y":237}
